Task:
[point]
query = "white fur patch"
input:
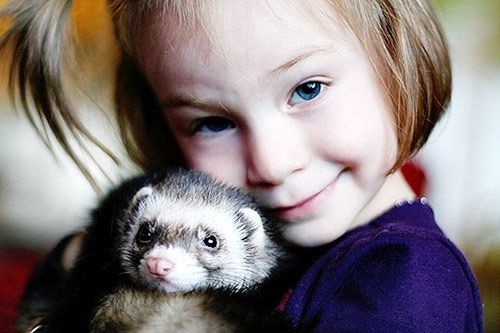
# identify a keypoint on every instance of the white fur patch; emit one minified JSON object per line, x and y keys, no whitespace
{"x":184,"y":214}
{"x":185,"y":275}
{"x":259,"y":236}
{"x":143,"y":192}
{"x":252,"y":216}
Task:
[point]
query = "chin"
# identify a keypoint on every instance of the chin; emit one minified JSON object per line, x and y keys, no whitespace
{"x":306,"y":235}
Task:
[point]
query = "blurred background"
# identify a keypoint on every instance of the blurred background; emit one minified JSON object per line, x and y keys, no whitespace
{"x":43,"y":197}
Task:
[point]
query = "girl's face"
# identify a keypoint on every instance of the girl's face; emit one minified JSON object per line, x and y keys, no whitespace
{"x":272,"y":103}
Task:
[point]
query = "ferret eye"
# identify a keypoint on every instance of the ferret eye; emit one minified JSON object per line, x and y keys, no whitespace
{"x":210,"y":241}
{"x":145,"y":235}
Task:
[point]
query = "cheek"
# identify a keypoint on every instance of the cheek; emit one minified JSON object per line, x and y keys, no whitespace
{"x":356,"y":128}
{"x":223,"y":162}
{"x":357,"y":135}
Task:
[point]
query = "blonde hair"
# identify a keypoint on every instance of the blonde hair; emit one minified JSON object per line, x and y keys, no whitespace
{"x":409,"y":53}
{"x":402,"y":38}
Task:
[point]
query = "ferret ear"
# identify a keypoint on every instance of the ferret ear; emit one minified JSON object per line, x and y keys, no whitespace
{"x":142,"y":193}
{"x":258,"y":235}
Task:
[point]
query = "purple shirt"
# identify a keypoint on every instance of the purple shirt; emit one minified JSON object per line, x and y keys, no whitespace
{"x":399,"y":273}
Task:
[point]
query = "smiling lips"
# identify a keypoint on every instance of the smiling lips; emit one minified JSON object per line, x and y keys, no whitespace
{"x":306,"y":207}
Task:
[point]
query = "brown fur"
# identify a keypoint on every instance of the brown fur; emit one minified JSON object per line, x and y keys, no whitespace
{"x":129,"y":310}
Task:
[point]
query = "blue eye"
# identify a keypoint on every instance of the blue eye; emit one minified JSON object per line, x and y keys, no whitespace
{"x":306,"y":92}
{"x":214,"y":125}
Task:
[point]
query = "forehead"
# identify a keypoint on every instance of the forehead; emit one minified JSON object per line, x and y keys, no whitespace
{"x":182,"y":213}
{"x":183,"y":18}
{"x":235,"y":34}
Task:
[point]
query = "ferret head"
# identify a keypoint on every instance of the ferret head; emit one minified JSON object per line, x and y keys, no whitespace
{"x":189,"y":233}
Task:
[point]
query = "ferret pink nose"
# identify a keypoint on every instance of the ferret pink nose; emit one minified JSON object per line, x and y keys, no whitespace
{"x":159,"y":266}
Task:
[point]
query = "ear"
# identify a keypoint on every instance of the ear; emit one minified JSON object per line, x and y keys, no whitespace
{"x":258,"y":234}
{"x":142,"y":193}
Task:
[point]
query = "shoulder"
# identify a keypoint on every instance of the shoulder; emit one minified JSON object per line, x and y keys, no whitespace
{"x":405,"y":254}
{"x":400,"y":278}
{"x":419,"y":267}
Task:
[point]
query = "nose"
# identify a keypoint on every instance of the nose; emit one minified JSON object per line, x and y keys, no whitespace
{"x":159,"y":265}
{"x":275,"y":151}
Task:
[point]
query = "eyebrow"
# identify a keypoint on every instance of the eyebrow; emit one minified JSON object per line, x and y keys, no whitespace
{"x":182,"y":102}
{"x":295,"y":60}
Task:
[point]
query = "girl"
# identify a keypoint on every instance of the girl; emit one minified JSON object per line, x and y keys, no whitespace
{"x":310,"y":106}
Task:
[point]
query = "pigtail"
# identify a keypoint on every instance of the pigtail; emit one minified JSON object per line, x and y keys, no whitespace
{"x":38,"y":38}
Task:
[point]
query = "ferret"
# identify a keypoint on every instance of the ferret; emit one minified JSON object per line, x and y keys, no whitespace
{"x":169,"y":252}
